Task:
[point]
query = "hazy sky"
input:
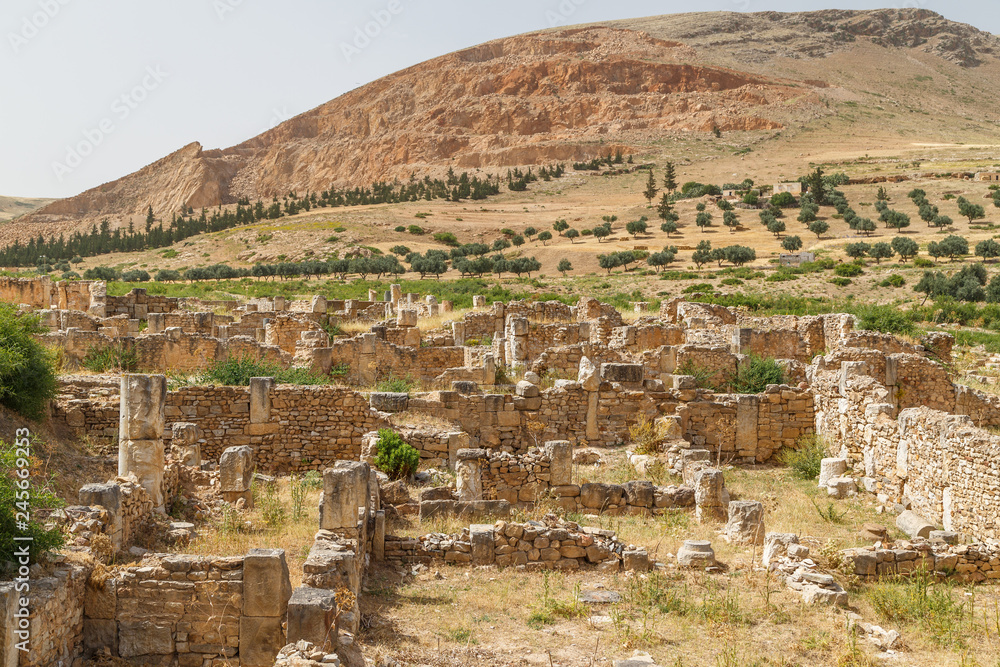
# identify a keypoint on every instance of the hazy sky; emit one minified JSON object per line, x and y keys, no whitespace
{"x":90,"y":91}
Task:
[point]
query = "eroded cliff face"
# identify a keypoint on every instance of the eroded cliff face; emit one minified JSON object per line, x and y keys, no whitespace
{"x":532,"y":99}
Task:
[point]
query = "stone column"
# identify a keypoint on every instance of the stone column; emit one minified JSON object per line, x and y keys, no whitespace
{"x":456,"y":440}
{"x":747,"y":409}
{"x":184,"y":443}
{"x":372,"y":295}
{"x":279,"y":304}
{"x":396,"y":293}
{"x":478,"y":302}
{"x":140,"y":432}
{"x":236,"y":474}
{"x":590,"y":382}
{"x":710,"y":495}
{"x":260,"y":400}
{"x":345,"y":492}
{"x":469,"y":471}
{"x":458,"y":333}
{"x":517,"y":341}
{"x":560,"y":454}
{"x":266,"y":590}
{"x":489,"y":369}
{"x":482,"y":538}
{"x":318,"y":304}
{"x":447,"y":307}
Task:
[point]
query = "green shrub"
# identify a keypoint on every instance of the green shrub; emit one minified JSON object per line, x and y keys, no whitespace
{"x":781,"y":276}
{"x":702,"y":375}
{"x":38,"y":498}
{"x":933,"y":607}
{"x":417,"y":230}
{"x":400,"y":228}
{"x":700,"y":287}
{"x":755,"y":375}
{"x":841,"y":282}
{"x":805,"y":461}
{"x":923,"y":263}
{"x":395,"y":457}
{"x":27,"y":370}
{"x":395,"y":385}
{"x":236,"y":372}
{"x":887,"y":319}
{"x":116,"y":357}
{"x":848,"y":270}
{"x":447,"y":238}
{"x":894,"y":280}
{"x":732,"y":281}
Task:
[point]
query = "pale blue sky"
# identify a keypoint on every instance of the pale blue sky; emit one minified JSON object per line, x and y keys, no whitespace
{"x":128,"y":81}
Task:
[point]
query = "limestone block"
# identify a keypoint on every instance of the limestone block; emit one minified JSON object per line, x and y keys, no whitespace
{"x":457,"y":440}
{"x":588,"y":376}
{"x":696,"y":554}
{"x":600,"y":496}
{"x":526,"y":389}
{"x":406,"y":318}
{"x":184,"y":443}
{"x":636,"y":560}
{"x":482,"y":539}
{"x":260,"y":640}
{"x":622,"y":373}
{"x":776,"y":546}
{"x":841,"y":487}
{"x":830,"y":468}
{"x":101,"y":601}
{"x":311,"y":617}
{"x":345,"y":490}
{"x":318,"y":304}
{"x":260,"y":399}
{"x":465,"y":387}
{"x":560,"y":455}
{"x":141,"y":414}
{"x":266,"y":586}
{"x":478,"y":302}
{"x":710,"y":495}
{"x":144,"y":638}
{"x":639,"y":493}
{"x":236,"y":469}
{"x":145,"y":460}
{"x":458,"y":333}
{"x":914,"y":525}
{"x":469,"y":478}
{"x":389,"y":401}
{"x":746,"y":522}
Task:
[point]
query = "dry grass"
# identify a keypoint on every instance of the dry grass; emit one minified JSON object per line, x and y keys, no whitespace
{"x":229,"y":537}
{"x":441,"y":321}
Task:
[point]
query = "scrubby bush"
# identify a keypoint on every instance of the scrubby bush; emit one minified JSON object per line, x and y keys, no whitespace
{"x":237,"y":372}
{"x":395,"y":457}
{"x":116,"y":357}
{"x":848,"y":270}
{"x":15,"y":498}
{"x":754,"y":376}
{"x":27,"y":370}
{"x":805,"y":460}
{"x":447,"y":238}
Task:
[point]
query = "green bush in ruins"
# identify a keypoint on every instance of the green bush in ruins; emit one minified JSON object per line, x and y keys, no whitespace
{"x":395,"y":457}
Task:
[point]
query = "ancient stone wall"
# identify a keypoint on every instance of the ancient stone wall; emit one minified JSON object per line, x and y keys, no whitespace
{"x":42,"y":293}
{"x":137,"y":304}
{"x":966,"y":563}
{"x":57,"y":626}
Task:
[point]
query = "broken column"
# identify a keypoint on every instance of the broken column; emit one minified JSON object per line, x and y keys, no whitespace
{"x":457,"y":440}
{"x":458,"y":333}
{"x":395,"y":293}
{"x":345,"y":492}
{"x":236,"y":474}
{"x":710,"y":495}
{"x":478,"y":302}
{"x":184,"y":444}
{"x":560,"y":454}
{"x":140,"y":432}
{"x":469,"y":471}
{"x":266,"y":589}
{"x":517,"y":341}
{"x":590,"y":382}
{"x":746,"y":522}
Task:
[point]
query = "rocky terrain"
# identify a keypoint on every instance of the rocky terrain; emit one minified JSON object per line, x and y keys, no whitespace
{"x":13,"y":207}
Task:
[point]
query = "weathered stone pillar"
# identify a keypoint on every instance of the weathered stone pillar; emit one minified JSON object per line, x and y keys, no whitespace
{"x":590,"y":382}
{"x":108,"y":496}
{"x":312,"y":616}
{"x":746,"y":522}
{"x":747,"y":409}
{"x":236,"y":474}
{"x":447,"y":306}
{"x":372,"y":295}
{"x":517,"y":341}
{"x":155,"y":323}
{"x":279,"y":304}
{"x":140,"y":432}
{"x":469,"y":471}
{"x":710,"y":495}
{"x":396,"y":293}
{"x":560,"y":454}
{"x":489,"y":369}
{"x":184,"y":443}
{"x":482,"y":538}
{"x":318,"y":304}
{"x":456,"y":440}
{"x":260,"y":400}
{"x":366,"y":358}
{"x":406,"y":317}
{"x":266,"y":590}
{"x":478,"y":302}
{"x":345,"y":492}
{"x":458,"y":333}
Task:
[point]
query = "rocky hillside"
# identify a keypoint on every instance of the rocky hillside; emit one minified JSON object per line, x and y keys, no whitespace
{"x":560,"y":95}
{"x":13,"y":207}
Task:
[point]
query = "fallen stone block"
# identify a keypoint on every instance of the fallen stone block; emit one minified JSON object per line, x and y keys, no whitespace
{"x":914,"y":525}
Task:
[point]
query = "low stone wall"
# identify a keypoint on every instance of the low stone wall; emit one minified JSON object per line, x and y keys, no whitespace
{"x":553,"y":545}
{"x":137,"y":304}
{"x":968,"y":563}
